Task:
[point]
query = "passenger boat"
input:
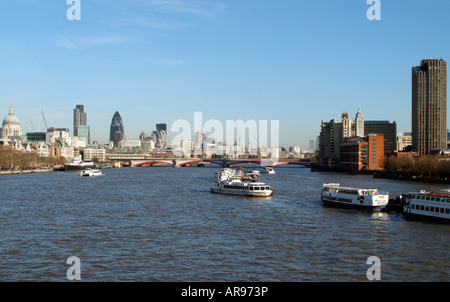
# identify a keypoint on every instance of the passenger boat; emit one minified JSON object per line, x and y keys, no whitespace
{"x":268,"y":170}
{"x":230,"y":182}
{"x":90,"y":173}
{"x":77,"y":165}
{"x":334,"y":194}
{"x":427,"y":205}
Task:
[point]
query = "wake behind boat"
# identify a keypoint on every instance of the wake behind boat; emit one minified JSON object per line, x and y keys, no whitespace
{"x":230,"y":182}
{"x":349,"y":197}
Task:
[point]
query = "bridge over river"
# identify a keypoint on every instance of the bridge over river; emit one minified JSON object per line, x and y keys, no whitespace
{"x":142,"y":160}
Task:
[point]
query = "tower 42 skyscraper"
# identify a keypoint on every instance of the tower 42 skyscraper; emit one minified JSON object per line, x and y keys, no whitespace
{"x":80,"y":127}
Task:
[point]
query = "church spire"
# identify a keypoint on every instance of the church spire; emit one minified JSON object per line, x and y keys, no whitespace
{"x":11,"y":112}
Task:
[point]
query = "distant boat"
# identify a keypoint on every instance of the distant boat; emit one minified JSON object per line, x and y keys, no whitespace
{"x":268,"y":170}
{"x":105,"y":166}
{"x":230,"y":182}
{"x":90,"y":173}
{"x":334,"y":194}
{"x":77,"y":165}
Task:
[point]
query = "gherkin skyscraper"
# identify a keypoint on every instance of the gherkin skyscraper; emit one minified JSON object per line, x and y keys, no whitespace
{"x":116,"y":133}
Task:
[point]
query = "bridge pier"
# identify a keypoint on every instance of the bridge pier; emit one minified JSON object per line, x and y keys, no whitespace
{"x":176,"y":164}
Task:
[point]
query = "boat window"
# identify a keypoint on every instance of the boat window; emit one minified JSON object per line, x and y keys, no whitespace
{"x":267,"y":188}
{"x":251,"y":188}
{"x":256,"y":188}
{"x":432,"y":209}
{"x":423,"y":197}
{"x":428,"y":198}
{"x":432,"y":198}
{"x":438,"y":199}
{"x":447,"y":211}
{"x":422,"y":208}
{"x":442,"y":210}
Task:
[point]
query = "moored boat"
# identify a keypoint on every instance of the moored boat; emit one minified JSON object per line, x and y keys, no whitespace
{"x":427,"y":205}
{"x":77,"y":165}
{"x":333,"y":194}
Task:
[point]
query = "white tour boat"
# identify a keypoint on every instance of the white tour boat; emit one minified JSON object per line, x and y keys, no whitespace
{"x":230,"y":182}
{"x":427,"y":205}
{"x":268,"y":170}
{"x":90,"y":173}
{"x":335,"y":195}
{"x":78,"y":165}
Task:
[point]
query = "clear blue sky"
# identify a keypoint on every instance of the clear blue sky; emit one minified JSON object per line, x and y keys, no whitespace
{"x":156,"y":61}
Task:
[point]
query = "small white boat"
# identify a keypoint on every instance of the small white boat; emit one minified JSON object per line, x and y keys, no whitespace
{"x":90,"y":173}
{"x":334,"y":194}
{"x":268,"y":170}
{"x":427,"y":205}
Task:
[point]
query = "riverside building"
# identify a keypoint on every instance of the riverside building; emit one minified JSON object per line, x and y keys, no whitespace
{"x":429,"y":106}
{"x":80,"y":127}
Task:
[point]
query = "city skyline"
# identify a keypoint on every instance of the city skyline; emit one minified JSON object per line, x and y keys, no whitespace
{"x":298,"y":62}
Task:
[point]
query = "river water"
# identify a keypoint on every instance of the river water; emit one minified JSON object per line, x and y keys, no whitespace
{"x":163,"y":224}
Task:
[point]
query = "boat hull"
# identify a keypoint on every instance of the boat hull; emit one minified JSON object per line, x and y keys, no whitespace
{"x":77,"y":168}
{"x":241,"y":192}
{"x":335,"y":204}
{"x":412,"y":216}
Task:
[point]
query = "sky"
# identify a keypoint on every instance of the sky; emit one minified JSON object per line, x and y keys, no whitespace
{"x":158,"y":61}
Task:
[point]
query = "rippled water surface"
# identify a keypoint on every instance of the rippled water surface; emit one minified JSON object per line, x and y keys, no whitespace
{"x":163,"y":224}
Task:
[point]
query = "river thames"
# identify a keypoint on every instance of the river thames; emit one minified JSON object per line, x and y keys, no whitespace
{"x":163,"y":224}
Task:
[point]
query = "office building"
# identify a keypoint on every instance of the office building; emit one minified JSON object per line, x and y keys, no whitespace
{"x":386,"y":129}
{"x":331,"y":135}
{"x":162,"y":141}
{"x":362,"y":153}
{"x":404,"y":142}
{"x":80,"y":127}
{"x":429,"y":106}
{"x":116,"y":132}
{"x":90,"y":154}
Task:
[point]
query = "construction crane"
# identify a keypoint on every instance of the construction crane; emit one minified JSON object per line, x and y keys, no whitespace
{"x":45,"y":122}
